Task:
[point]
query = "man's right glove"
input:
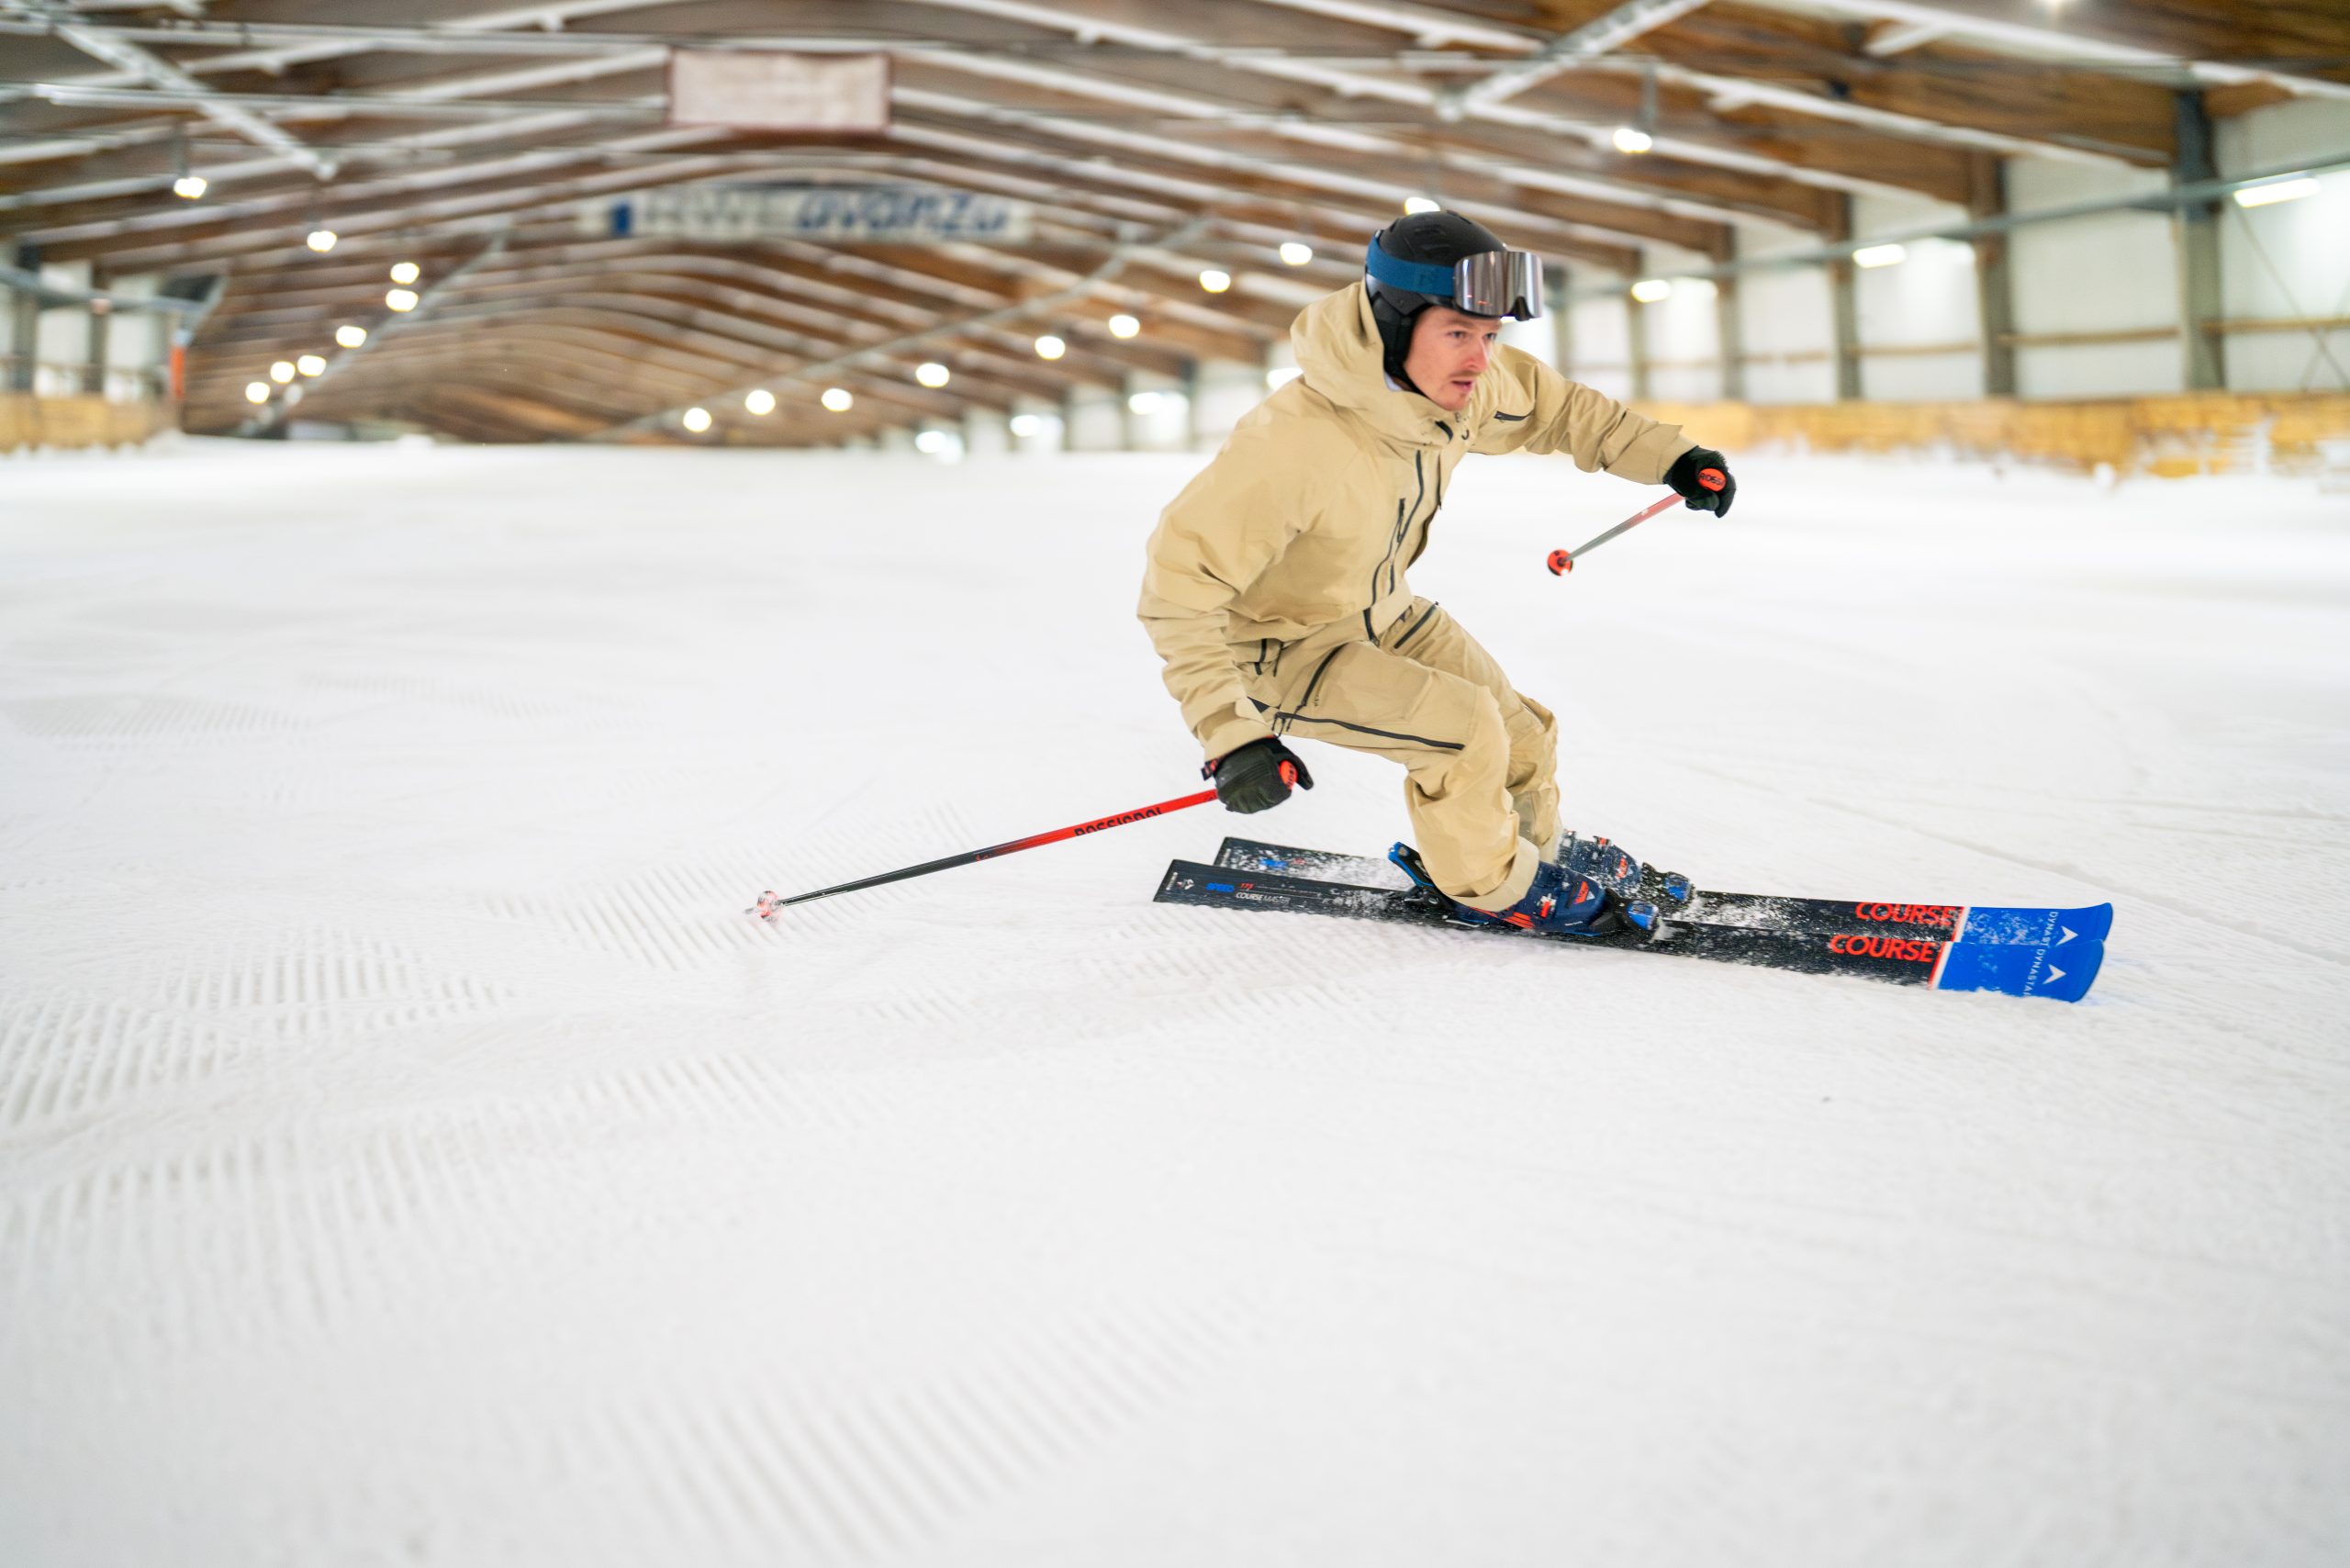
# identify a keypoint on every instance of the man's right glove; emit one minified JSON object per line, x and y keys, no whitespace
{"x":1689,"y":476}
{"x":1256,"y":777}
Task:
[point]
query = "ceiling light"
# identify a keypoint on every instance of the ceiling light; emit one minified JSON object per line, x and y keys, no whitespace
{"x":1648,"y":290}
{"x":1125,"y":326}
{"x":1026,"y":425}
{"x":321,"y":240}
{"x":282,"y":371}
{"x":310,"y":364}
{"x":1629,"y":139}
{"x":256,"y":391}
{"x":351,"y":336}
{"x":695,"y":419}
{"x":1296,"y":252}
{"x":837,"y":399}
{"x":401,"y":299}
{"x":1879,"y":255}
{"x":1050,"y":347}
{"x":1422,"y":204}
{"x":190,"y":186}
{"x":759,"y":400}
{"x":2275,"y":191}
{"x":932,"y":373}
{"x":1278,"y":378}
{"x":1215,"y":280}
{"x":406,"y":272}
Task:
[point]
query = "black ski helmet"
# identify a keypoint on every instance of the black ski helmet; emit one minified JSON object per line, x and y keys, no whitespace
{"x":1434,"y":238}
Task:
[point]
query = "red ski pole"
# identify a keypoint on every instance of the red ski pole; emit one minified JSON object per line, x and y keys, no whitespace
{"x":1563,"y":561}
{"x":769,"y":903}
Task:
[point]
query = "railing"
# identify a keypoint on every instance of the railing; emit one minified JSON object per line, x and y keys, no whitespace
{"x":67,"y":378}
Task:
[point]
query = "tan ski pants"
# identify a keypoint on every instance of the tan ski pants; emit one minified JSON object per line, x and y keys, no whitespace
{"x":1480,"y":759}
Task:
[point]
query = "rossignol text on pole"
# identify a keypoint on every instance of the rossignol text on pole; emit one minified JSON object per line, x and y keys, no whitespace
{"x":768,"y":903}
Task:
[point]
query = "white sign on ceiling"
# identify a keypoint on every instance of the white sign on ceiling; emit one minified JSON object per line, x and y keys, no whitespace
{"x":841,"y":215}
{"x":757,"y":90}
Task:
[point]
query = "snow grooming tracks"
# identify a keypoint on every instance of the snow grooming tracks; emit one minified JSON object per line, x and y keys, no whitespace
{"x":2061,"y":972}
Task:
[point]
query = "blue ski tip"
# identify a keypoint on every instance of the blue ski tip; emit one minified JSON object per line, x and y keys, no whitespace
{"x":2060,"y":972}
{"x":2055,"y":927}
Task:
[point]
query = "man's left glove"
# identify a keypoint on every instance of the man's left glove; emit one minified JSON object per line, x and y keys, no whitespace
{"x":1702,"y":475}
{"x":1256,"y":777}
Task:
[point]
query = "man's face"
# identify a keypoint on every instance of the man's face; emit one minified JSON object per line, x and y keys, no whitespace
{"x":1450,"y":349}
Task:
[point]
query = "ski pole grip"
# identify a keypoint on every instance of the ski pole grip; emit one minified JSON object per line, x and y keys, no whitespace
{"x":1712,"y":479}
{"x":1288,"y":774}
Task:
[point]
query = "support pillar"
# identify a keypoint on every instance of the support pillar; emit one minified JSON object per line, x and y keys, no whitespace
{"x":1995,"y":289}
{"x":24,"y":308}
{"x":1730,"y":334}
{"x":1191,"y":405}
{"x":1562,"y":320}
{"x":1843,"y":304}
{"x":94,"y":372}
{"x":1636,"y":337}
{"x":2201,"y":305}
{"x":1846,"y":305}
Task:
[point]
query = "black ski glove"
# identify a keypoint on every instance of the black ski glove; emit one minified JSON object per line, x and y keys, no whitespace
{"x":1688,"y":476}
{"x":1256,"y":777}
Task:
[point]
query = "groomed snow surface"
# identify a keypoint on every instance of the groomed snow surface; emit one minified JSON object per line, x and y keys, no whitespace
{"x":409,"y":1151}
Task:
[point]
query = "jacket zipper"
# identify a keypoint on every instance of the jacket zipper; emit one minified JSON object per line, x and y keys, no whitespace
{"x":1431,"y":519}
{"x":1403,"y":521}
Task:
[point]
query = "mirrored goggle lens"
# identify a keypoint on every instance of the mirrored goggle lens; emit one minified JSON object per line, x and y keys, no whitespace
{"x":1499,"y":283}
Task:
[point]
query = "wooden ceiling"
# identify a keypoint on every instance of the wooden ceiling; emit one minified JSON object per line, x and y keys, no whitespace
{"x":1153,"y":137}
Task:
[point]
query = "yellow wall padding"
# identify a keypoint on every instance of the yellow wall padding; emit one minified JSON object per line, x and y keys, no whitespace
{"x":29,"y":420}
{"x":2196,"y":433}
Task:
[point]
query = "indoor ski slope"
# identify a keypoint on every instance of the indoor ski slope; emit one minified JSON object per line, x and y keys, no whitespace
{"x":410,"y":1153}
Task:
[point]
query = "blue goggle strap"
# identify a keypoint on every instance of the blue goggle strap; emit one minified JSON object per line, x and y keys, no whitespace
{"x":1419,"y":278}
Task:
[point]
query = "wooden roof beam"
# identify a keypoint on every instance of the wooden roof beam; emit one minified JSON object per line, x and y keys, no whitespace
{"x":1742,"y":53}
{"x":987,"y":317}
{"x":286,"y":215}
{"x":1564,"y":52}
{"x":1353,"y":84}
{"x":1076,"y":143}
{"x":359,"y":398}
{"x":505,"y":205}
{"x":1301,"y":132}
{"x":140,"y":64}
{"x":591,"y":352}
{"x":2121,"y":38}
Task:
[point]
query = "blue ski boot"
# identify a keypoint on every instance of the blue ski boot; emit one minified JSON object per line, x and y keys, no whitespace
{"x":1613,"y":867}
{"x":1560,"y":903}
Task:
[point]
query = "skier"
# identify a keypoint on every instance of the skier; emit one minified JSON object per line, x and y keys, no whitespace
{"x":1275,"y":590}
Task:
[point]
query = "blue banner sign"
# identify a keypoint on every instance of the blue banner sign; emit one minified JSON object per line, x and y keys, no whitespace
{"x":842,"y":215}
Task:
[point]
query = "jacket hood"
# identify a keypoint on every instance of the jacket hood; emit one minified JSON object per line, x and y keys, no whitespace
{"x":1338,"y":350}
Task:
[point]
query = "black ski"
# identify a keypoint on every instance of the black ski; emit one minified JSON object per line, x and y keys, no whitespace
{"x":1758,"y":911}
{"x":2063,"y":974}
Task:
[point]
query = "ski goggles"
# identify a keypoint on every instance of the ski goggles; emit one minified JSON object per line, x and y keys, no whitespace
{"x":1491,"y":282}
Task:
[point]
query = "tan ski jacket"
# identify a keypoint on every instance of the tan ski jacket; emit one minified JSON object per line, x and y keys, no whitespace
{"x":1322,"y":496}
